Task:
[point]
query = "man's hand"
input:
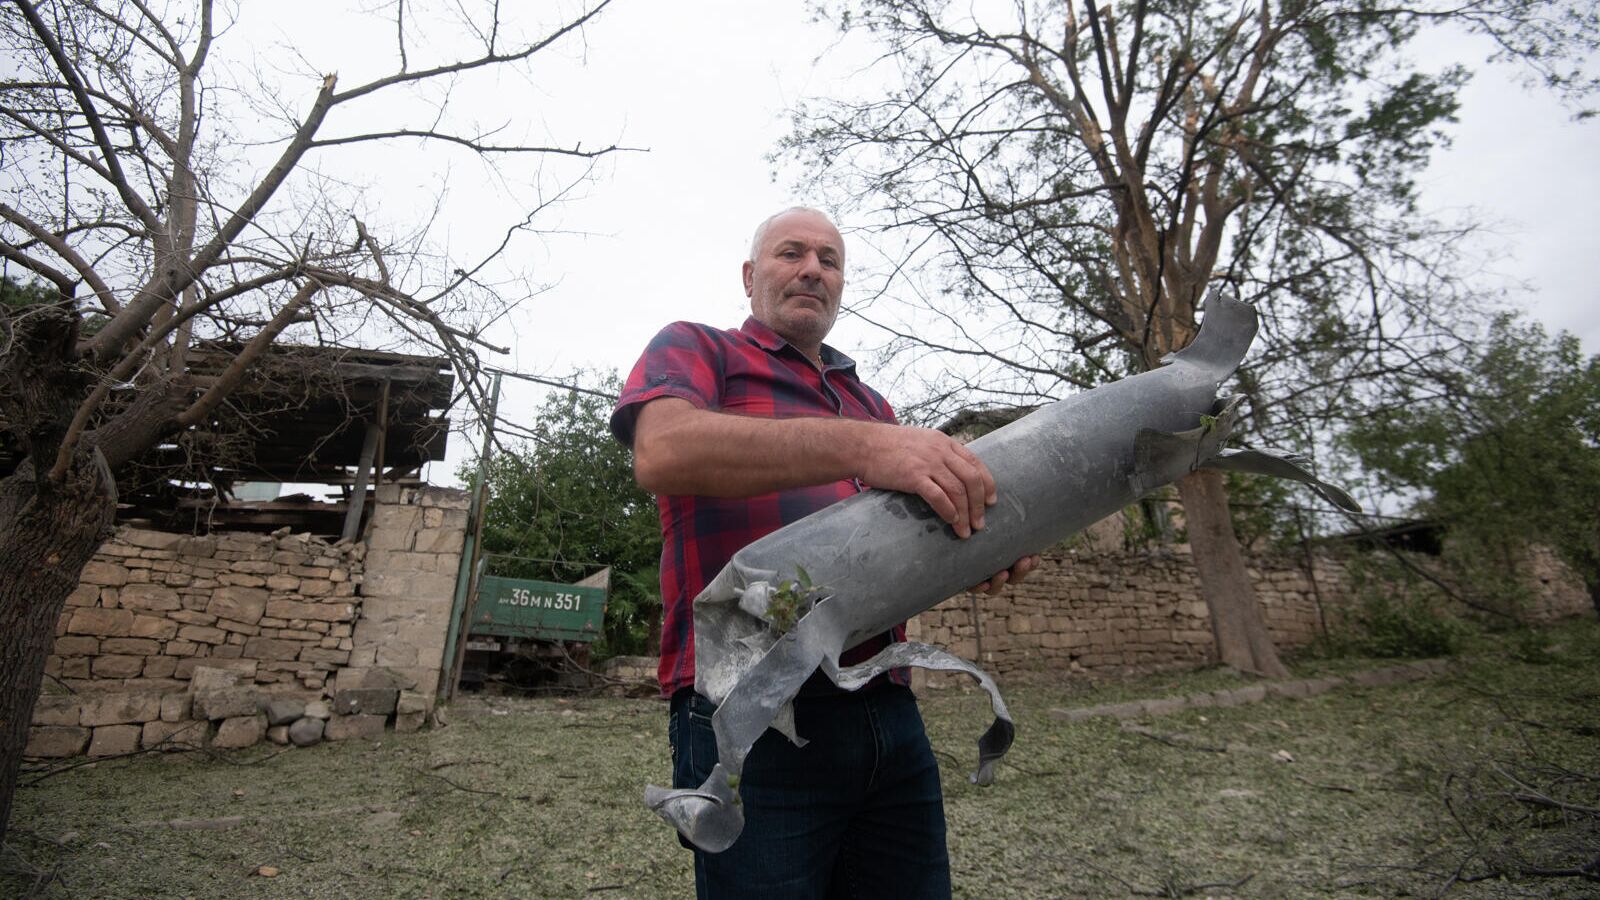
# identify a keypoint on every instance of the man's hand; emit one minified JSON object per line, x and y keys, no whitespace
{"x":935,"y":467}
{"x":1018,"y":571}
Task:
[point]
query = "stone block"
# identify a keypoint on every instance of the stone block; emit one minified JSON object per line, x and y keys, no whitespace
{"x":153,"y":627}
{"x":56,"y":741}
{"x":406,"y":723}
{"x":159,"y":667}
{"x":103,"y":622}
{"x":240,"y":731}
{"x":175,"y":707}
{"x":233,"y":627}
{"x":192,"y":616}
{"x":226,"y":703}
{"x":446,"y":498}
{"x":150,"y":540}
{"x":213,"y":675}
{"x":284,"y":710}
{"x":343,"y":728}
{"x":365,"y":702}
{"x":77,"y":645}
{"x":130,"y":646}
{"x":202,"y":634}
{"x":316,"y":587}
{"x":318,"y":709}
{"x":412,"y":585}
{"x":272,"y":648}
{"x":278,"y":734}
{"x":235,"y":579}
{"x":99,"y":572}
{"x":84,"y":595}
{"x":320,"y":654}
{"x":148,"y":597}
{"x":114,"y":740}
{"x":118,"y":708}
{"x":307,"y":731}
{"x":173,"y":735}
{"x":323,"y":612}
{"x":282,"y":584}
{"x":1163,"y":706}
{"x":241,"y":604}
{"x":413,"y":702}
{"x":117,"y":666}
{"x":57,"y":709}
{"x":180,"y":648}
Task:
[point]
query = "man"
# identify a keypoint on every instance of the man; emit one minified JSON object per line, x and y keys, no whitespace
{"x":739,"y":433}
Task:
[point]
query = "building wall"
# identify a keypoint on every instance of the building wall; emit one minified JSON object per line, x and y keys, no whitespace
{"x":288,"y":615}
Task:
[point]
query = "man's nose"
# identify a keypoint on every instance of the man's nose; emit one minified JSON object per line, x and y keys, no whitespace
{"x":811,"y":266}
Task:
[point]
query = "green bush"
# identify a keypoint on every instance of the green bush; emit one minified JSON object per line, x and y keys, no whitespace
{"x":1530,"y":645}
{"x":1406,"y":628}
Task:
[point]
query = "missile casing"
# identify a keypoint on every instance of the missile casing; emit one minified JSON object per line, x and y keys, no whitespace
{"x":881,"y":557}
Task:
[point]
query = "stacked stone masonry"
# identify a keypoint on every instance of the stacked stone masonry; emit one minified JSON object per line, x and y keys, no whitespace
{"x":282,"y":616}
{"x":1111,"y":611}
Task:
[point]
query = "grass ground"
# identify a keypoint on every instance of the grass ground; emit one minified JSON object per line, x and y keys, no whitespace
{"x":1360,"y":792}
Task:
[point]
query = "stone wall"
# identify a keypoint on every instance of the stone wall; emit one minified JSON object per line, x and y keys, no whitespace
{"x":353,"y":631}
{"x":1091,"y":608}
{"x":151,"y":606}
{"x":414,"y":552}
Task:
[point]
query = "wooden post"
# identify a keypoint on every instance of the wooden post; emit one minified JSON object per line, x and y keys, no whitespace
{"x":358,"y":493}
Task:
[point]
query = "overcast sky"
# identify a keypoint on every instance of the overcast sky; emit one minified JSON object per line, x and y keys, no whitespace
{"x":706,"y":87}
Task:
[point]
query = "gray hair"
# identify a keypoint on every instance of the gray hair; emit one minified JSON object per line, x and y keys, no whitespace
{"x":761,"y":230}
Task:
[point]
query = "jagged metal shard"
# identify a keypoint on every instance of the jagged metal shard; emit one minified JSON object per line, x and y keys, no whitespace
{"x":882,"y":557}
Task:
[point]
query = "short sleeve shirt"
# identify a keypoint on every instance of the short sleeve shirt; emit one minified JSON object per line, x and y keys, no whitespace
{"x":748,"y":371}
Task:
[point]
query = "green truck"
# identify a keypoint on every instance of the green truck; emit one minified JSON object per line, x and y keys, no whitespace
{"x":531,"y":634}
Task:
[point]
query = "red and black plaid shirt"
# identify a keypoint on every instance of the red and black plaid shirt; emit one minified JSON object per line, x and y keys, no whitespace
{"x":751,"y":372}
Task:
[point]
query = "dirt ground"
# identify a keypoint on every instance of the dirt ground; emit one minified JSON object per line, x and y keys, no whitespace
{"x":1428,"y":788}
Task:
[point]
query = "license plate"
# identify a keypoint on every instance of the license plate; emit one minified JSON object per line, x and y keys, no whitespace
{"x":492,"y":646}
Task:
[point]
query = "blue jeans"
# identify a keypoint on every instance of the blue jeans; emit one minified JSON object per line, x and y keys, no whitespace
{"x":856,"y":812}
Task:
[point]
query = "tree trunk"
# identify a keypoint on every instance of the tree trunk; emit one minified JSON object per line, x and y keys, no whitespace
{"x":1236,"y":622}
{"x":47,"y":534}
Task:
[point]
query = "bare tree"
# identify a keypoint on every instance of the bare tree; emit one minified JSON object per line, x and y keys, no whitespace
{"x":1066,"y":182}
{"x":129,"y":193}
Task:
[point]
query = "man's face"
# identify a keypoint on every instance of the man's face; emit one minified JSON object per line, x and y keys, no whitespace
{"x":795,"y":281}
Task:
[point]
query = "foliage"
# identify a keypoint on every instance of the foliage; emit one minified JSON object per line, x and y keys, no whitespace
{"x":1533,"y":646}
{"x":1503,"y":448}
{"x":1060,"y":182}
{"x":18,"y":293}
{"x":1398,"y":614}
{"x":1060,"y":186}
{"x":1406,"y":627}
{"x":564,"y":504}
{"x":792,"y":599}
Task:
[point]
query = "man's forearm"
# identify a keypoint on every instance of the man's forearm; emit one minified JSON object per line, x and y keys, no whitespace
{"x":680,"y":449}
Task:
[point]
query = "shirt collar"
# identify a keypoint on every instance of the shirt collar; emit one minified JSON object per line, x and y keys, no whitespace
{"x":772,"y":342}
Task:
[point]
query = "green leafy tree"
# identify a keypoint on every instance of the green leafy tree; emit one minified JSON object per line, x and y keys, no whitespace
{"x":565,"y":503}
{"x":1060,"y":183}
{"x":1504,"y":450}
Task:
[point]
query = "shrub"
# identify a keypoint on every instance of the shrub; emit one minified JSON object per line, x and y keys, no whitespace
{"x":1406,"y":628}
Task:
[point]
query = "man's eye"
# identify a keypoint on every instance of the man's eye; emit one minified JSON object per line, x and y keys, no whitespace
{"x":830,"y":262}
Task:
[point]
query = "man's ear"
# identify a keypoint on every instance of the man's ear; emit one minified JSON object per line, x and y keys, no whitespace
{"x":748,"y":271}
